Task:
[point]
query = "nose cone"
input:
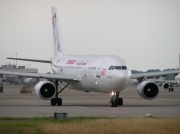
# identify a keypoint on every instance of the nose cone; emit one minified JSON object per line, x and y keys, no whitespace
{"x":121,"y":79}
{"x":121,"y":75}
{"x":177,"y":78}
{"x":124,"y":78}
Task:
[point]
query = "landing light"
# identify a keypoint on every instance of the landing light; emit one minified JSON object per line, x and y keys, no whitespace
{"x":112,"y":93}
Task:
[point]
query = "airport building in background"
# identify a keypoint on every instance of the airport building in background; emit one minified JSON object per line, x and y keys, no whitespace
{"x":13,"y":79}
{"x":13,"y":68}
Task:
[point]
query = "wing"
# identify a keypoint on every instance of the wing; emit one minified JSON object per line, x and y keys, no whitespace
{"x":141,"y":76}
{"x":65,"y":78}
{"x":167,"y":81}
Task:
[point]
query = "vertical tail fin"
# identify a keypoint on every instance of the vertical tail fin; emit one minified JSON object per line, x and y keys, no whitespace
{"x":57,"y":39}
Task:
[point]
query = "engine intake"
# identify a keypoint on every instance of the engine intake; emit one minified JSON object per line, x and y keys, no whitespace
{"x":148,"y":90}
{"x":165,"y":85}
{"x":45,"y":89}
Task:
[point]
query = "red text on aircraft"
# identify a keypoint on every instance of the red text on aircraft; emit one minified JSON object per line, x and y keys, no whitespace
{"x":56,"y":32}
{"x":103,"y":72}
{"x":71,"y":61}
{"x":81,"y":63}
{"x":61,"y":70}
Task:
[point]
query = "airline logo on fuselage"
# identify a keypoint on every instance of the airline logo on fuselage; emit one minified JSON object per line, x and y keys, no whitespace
{"x":82,"y":63}
{"x":103,"y":72}
{"x":71,"y":61}
{"x":78,"y":63}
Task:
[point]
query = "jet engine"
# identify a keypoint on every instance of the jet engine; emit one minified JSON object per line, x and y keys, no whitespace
{"x":165,"y":85}
{"x":148,"y":90}
{"x":45,"y":89}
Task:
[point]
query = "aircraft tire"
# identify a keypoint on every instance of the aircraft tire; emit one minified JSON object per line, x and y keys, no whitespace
{"x":120,"y":101}
{"x":53,"y":102}
{"x":116,"y":102}
{"x":59,"y":101}
{"x":111,"y":103}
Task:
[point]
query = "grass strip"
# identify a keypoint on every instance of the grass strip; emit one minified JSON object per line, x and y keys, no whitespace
{"x":89,"y":125}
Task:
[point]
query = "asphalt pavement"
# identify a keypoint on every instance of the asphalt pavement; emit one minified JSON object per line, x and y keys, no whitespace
{"x":78,"y":103}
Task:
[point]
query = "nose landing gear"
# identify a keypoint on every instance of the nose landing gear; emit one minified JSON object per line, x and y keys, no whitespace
{"x":115,"y":100}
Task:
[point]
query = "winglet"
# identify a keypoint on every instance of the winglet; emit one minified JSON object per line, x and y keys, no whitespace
{"x":57,"y":39}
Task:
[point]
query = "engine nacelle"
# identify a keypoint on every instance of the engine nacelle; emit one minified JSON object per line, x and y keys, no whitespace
{"x":165,"y":85}
{"x":45,"y":89}
{"x":148,"y":90}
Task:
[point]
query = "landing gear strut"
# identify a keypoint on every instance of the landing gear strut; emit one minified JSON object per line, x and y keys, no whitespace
{"x":115,"y":100}
{"x":59,"y":89}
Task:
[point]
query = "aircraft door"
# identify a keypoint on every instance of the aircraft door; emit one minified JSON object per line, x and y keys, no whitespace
{"x":85,"y":71}
{"x":98,"y":73}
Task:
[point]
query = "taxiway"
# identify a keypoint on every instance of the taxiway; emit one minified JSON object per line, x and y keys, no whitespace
{"x":77,"y":103}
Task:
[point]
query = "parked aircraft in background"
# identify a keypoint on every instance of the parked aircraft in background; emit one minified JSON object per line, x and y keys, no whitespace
{"x":166,"y":84}
{"x":170,"y":84}
{"x":98,"y":73}
{"x":10,"y":79}
{"x":162,"y":82}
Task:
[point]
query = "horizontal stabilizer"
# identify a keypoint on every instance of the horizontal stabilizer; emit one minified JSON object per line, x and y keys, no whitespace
{"x":33,"y":60}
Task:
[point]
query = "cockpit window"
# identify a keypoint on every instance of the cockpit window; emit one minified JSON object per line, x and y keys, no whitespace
{"x":124,"y":67}
{"x":111,"y":68}
{"x":117,"y":68}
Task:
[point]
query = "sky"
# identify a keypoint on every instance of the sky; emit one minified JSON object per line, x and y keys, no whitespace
{"x":145,"y":33}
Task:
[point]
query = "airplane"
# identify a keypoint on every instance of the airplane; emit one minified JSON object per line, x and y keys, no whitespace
{"x":88,"y":73}
{"x":166,"y":84}
{"x":169,"y":84}
{"x":162,"y":82}
{"x":10,"y":79}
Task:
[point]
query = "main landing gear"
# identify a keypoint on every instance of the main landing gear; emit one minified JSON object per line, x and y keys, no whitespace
{"x":59,"y":88}
{"x":171,"y":89}
{"x":115,"y":100}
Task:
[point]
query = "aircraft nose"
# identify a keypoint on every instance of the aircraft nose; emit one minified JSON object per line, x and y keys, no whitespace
{"x":123,"y":78}
{"x":177,"y":79}
{"x":126,"y":77}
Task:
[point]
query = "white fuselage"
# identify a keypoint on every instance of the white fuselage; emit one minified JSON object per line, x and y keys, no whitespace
{"x":177,"y":78}
{"x":96,"y":73}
